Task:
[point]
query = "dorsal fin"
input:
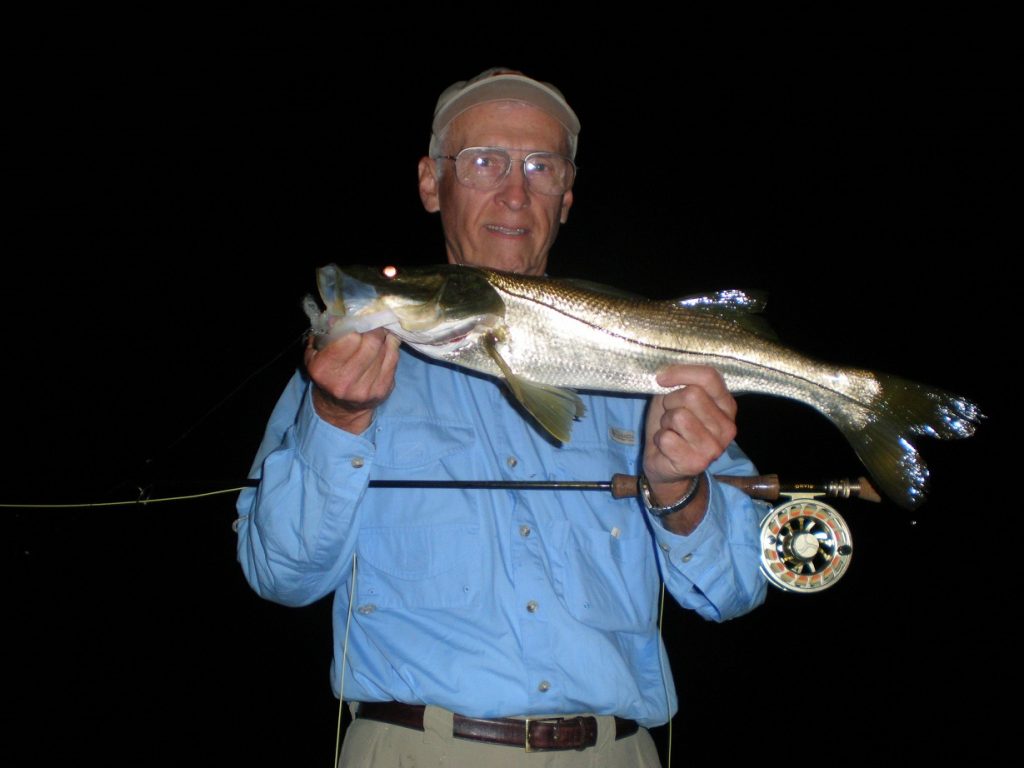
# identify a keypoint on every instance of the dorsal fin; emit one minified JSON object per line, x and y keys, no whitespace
{"x":734,"y":305}
{"x":730,"y":299}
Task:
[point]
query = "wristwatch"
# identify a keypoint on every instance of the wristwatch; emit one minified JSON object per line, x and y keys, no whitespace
{"x":644,"y":492}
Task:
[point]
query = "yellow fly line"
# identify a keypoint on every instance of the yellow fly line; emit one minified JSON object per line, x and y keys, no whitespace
{"x":132,"y":503}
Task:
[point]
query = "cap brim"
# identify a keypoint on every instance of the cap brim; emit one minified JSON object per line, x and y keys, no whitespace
{"x":508,"y":88}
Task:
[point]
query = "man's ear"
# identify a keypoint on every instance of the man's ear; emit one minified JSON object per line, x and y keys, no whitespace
{"x":429,"y":185}
{"x":566,"y":205}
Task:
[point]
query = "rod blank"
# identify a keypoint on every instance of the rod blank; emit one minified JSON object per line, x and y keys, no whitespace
{"x":765,"y":487}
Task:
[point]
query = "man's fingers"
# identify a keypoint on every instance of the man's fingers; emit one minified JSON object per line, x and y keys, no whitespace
{"x":698,"y":377}
{"x":708,"y":406}
{"x":357,"y":369}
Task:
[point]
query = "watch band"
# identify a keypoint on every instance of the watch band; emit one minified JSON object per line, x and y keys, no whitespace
{"x":644,"y":492}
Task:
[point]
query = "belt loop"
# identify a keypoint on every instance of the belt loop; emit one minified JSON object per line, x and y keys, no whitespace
{"x":605,"y":731}
{"x":438,"y":721}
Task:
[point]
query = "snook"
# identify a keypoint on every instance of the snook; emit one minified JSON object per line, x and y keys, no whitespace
{"x":547,"y":337}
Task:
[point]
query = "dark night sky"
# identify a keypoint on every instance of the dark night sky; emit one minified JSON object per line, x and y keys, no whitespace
{"x":172,"y":202}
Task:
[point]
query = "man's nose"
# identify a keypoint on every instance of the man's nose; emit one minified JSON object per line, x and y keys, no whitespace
{"x":515,"y":189}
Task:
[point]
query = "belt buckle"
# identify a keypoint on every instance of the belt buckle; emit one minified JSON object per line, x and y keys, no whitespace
{"x":555,"y":721}
{"x":526,"y":734}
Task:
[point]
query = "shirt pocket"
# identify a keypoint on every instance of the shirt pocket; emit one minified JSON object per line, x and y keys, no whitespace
{"x":414,"y":444}
{"x":435,"y":566}
{"x":405,"y":562}
{"x":609,"y":582}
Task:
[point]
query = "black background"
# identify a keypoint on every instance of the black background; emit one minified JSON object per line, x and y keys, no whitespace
{"x":169,"y":200}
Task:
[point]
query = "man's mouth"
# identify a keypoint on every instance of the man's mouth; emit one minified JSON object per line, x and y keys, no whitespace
{"x":510,"y":231}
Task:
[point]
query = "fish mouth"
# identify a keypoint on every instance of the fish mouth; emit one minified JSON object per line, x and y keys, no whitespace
{"x":507,"y":231}
{"x":445,"y":307}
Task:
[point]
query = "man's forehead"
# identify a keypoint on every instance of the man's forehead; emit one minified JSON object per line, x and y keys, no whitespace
{"x":508,"y":124}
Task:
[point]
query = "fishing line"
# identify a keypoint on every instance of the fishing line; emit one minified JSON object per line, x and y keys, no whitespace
{"x":664,"y":678}
{"x":574,"y":485}
{"x":181,"y":438}
{"x":344,"y":663}
{"x":151,"y":461}
{"x":220,"y":403}
{"x":131,"y":503}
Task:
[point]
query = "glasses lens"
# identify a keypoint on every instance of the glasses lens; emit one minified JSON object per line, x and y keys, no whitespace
{"x":482,"y":167}
{"x":487,"y":167}
{"x":548,"y":173}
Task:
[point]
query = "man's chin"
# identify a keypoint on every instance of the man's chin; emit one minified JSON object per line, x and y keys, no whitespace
{"x":504,"y":262}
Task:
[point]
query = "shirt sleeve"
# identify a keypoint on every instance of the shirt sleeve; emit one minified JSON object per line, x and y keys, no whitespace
{"x":296,"y":528}
{"x":716,"y":569}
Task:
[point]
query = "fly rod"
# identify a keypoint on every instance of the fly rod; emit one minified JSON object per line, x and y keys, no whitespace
{"x":764,"y":487}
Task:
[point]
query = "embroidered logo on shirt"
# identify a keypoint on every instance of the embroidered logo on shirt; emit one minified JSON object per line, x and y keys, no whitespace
{"x":624,"y":436}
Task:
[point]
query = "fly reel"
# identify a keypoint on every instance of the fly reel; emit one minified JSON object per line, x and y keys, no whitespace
{"x":806,"y":545}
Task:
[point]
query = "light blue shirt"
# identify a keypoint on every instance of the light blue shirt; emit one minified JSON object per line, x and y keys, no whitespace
{"x":487,"y":603}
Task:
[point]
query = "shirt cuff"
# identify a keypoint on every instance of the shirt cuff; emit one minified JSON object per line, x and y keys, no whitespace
{"x":702,"y":557}
{"x":331,"y":452}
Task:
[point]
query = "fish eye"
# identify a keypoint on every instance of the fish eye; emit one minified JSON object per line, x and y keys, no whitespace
{"x":389,"y":272}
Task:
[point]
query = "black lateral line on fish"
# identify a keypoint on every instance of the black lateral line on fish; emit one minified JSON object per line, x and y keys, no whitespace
{"x":711,"y":355}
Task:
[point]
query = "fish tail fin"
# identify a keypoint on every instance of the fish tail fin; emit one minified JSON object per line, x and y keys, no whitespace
{"x":880,"y":432}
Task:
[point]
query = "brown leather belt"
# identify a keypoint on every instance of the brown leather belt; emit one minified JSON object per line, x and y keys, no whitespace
{"x":534,"y":735}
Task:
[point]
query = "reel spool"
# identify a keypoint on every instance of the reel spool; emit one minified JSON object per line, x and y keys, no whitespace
{"x":806,"y":545}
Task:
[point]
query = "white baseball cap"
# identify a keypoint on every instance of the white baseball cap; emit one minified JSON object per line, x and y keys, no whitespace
{"x":502,"y":84}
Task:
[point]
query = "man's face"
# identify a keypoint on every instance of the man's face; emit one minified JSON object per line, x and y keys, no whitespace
{"x":509,"y":227}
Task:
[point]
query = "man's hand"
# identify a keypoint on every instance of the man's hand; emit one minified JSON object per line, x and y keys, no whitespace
{"x":687,"y":429}
{"x":352,"y":376}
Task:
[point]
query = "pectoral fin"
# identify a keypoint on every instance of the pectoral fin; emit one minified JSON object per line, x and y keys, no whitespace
{"x":553,"y":407}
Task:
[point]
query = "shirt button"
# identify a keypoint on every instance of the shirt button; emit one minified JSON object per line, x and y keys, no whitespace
{"x":367,"y":609}
{"x":544,"y":686}
{"x":532,"y":606}
{"x":511,"y":461}
{"x":666,"y":548}
{"x":524,"y":530}
{"x":688,"y":557}
{"x":357,"y":462}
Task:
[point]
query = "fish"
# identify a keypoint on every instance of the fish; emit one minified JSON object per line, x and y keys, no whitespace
{"x":549,"y":338}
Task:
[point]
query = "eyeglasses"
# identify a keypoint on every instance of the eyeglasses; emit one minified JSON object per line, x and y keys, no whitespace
{"x":486,"y":167}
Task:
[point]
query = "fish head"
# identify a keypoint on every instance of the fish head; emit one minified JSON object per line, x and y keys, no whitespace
{"x":437,"y":305}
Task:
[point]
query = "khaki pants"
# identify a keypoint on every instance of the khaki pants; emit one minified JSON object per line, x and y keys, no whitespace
{"x":370,"y":744}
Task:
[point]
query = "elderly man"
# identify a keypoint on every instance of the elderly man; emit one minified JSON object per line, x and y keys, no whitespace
{"x":480,"y":627}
